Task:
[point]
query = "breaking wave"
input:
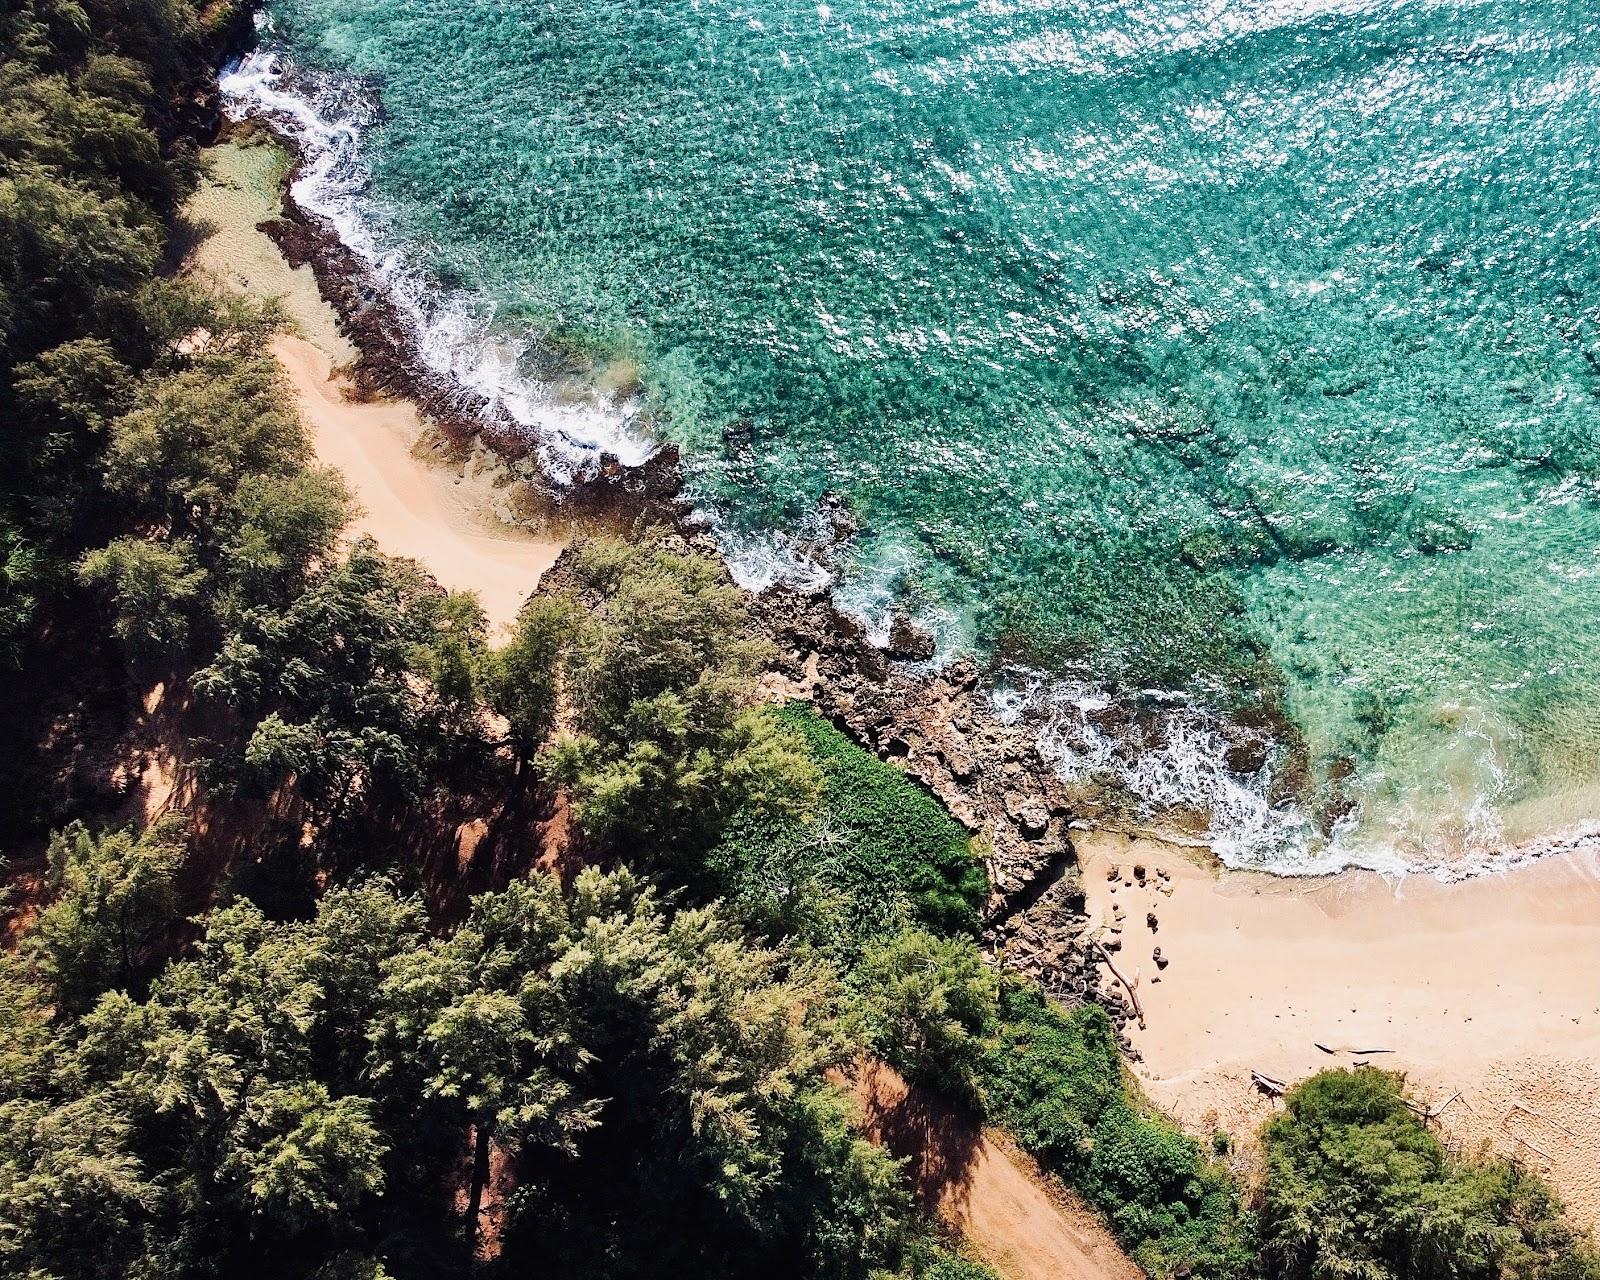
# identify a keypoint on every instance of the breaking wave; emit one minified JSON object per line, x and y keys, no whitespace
{"x":457,"y":333}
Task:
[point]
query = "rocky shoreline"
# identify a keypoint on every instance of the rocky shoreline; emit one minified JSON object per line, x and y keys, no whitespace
{"x":939,"y":725}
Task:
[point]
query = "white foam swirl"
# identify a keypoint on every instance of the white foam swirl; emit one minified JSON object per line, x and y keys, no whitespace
{"x":456,"y":332}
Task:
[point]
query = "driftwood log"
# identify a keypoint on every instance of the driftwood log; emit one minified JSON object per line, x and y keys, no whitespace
{"x":1270,"y":1085}
{"x":1133,"y":996}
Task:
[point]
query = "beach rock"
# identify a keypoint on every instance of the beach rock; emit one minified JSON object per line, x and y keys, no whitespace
{"x":908,"y":641}
{"x":1150,"y":920}
{"x":962,"y":674}
{"x":872,"y":665}
{"x":1032,"y":817}
{"x":963,"y":768}
{"x":1246,"y":757}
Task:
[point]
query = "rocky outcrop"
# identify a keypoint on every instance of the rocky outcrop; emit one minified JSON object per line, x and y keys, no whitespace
{"x":941,"y":729}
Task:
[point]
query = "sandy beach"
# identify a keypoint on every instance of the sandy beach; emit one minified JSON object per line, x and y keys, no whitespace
{"x":1486,"y":992}
{"x":436,"y":515}
{"x":444,"y":514}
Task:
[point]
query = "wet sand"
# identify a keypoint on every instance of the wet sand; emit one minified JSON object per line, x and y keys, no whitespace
{"x":1488,"y":987}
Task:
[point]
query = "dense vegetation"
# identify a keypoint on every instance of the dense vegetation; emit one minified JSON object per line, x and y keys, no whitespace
{"x":877,"y":855}
{"x":1357,"y":1185}
{"x":295,"y":1054}
{"x":651,"y":1079}
{"x":1056,"y":1080}
{"x":588,"y":1080}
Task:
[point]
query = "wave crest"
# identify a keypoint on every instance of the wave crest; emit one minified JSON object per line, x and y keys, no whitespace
{"x":456,"y":332}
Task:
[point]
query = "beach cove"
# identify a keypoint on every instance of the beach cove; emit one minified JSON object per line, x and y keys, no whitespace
{"x":449,"y":514}
{"x":1487,"y":990}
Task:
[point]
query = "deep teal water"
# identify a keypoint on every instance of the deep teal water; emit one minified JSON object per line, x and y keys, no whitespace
{"x":1245,"y":352}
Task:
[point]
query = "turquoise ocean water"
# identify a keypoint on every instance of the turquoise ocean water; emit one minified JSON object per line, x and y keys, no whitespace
{"x":1217,"y":362}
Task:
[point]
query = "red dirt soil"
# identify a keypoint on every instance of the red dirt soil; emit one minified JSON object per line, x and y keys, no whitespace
{"x":986,"y":1189}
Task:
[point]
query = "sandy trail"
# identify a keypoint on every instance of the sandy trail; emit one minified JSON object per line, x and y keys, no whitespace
{"x":1490,"y":987}
{"x":436,"y":516}
{"x":992,"y":1195}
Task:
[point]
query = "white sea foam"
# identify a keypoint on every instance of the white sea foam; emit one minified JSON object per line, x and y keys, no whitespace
{"x":1171,"y":759}
{"x":456,"y":332}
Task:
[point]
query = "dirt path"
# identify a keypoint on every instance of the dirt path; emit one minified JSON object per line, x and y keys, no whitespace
{"x":990,"y":1193}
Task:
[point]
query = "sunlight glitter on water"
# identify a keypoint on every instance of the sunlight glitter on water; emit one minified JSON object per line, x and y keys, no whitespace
{"x":1246,"y":351}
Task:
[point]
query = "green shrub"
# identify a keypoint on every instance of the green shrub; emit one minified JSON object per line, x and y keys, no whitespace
{"x":1357,"y":1185}
{"x":1055,"y":1080}
{"x":879,"y":854}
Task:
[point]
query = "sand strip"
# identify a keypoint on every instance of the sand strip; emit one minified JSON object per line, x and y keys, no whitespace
{"x":1489,"y":987}
{"x":437,"y":516}
{"x":443,"y":515}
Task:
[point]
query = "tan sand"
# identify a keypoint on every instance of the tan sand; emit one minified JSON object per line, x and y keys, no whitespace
{"x":439,"y":517}
{"x":1489,"y":987}
{"x":450,"y":518}
{"x":243,"y":189}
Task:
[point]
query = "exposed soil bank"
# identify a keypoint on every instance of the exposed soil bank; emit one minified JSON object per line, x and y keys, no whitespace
{"x":1488,"y":986}
{"x":985,"y":1190}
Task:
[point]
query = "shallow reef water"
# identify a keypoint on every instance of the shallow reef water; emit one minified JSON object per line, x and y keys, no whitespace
{"x":1235,"y":358}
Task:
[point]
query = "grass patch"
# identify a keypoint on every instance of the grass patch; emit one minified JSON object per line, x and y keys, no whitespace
{"x":880,"y":854}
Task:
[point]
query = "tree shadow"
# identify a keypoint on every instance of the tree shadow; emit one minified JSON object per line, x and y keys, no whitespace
{"x":939,"y":1140}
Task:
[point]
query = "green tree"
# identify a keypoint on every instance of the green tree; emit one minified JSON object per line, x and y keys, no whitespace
{"x":525,"y":673}
{"x":474,"y":1024}
{"x":275,"y":532}
{"x":665,"y":748}
{"x":154,"y":588}
{"x":237,"y":1081}
{"x":116,"y":901}
{"x":334,"y":686}
{"x":931,"y":1007}
{"x":1357,"y":1185}
{"x":196,"y":434}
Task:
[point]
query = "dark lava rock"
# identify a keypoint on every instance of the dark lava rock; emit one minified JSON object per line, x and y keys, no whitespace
{"x":909,"y":642}
{"x":1034,"y":820}
{"x":1246,"y":757}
